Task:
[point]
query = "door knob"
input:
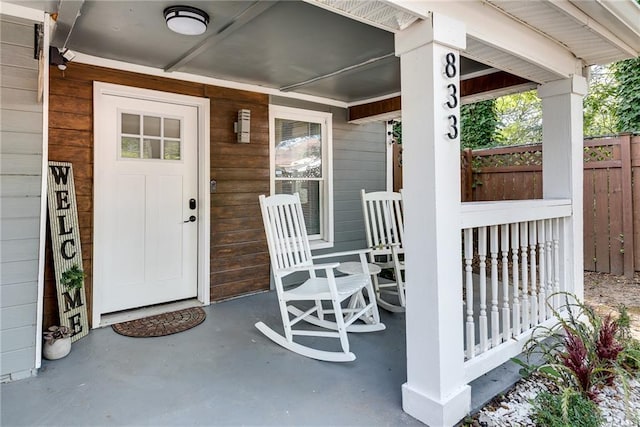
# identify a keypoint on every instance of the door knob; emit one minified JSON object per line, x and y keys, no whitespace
{"x":192,"y":218}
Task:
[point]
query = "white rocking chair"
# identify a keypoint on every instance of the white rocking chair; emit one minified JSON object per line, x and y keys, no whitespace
{"x":384,"y":224}
{"x":289,"y":251}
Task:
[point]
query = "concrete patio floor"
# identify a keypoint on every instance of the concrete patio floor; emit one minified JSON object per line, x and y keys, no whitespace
{"x":224,"y":372}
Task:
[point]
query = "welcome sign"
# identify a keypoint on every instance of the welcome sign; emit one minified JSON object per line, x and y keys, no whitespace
{"x":65,"y":244}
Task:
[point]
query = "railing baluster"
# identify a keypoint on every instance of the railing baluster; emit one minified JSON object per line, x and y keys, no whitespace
{"x":495,"y":316}
{"x":549,"y":261}
{"x":524,"y":264}
{"x":542,"y":296}
{"x":515,"y":247}
{"x":525,"y":256}
{"x":482,"y":255}
{"x":533,"y":241}
{"x":556,"y":261}
{"x":504,"y":248}
{"x":468,"y":257}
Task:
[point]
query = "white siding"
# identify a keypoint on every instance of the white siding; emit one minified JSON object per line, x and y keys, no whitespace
{"x":20,"y":172}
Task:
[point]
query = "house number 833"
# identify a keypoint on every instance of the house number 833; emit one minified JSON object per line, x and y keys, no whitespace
{"x":450,"y":72}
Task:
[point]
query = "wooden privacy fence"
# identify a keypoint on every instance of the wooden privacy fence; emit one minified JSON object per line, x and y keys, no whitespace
{"x":611,"y":226}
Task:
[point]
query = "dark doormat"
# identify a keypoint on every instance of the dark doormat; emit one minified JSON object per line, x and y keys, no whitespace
{"x":162,"y":324}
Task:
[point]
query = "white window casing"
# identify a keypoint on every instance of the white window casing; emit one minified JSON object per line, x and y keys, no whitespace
{"x":315,"y":185}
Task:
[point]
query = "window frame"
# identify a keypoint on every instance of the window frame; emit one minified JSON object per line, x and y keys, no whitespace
{"x":141,"y":136}
{"x":326,"y":238}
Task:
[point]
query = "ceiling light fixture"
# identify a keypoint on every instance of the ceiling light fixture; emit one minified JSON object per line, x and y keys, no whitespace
{"x":186,"y":20}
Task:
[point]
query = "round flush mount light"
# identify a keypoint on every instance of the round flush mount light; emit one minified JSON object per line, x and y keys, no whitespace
{"x":186,"y":20}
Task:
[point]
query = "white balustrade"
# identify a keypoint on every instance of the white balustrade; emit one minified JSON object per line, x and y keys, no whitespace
{"x":522,"y":242}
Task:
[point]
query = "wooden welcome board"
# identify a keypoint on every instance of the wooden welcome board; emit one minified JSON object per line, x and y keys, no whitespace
{"x":65,"y":243}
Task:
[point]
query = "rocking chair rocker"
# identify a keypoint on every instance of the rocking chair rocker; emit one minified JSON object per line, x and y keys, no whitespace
{"x":290,"y":252}
{"x":384,"y":224}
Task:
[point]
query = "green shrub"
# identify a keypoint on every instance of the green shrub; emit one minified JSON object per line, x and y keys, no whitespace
{"x":629,"y":359}
{"x":569,"y":409}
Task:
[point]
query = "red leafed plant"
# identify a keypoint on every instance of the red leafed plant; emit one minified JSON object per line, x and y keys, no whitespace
{"x":581,"y":351}
{"x":607,"y":347}
{"x":576,"y":359}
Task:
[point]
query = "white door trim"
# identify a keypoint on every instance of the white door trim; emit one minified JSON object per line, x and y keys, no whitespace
{"x":204,"y":226}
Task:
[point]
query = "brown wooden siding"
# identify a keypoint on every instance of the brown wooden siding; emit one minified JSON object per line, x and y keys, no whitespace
{"x":239,"y":259}
{"x":468,"y":87}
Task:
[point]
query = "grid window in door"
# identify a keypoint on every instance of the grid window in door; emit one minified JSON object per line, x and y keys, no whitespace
{"x":144,"y":136}
{"x":301,"y":157}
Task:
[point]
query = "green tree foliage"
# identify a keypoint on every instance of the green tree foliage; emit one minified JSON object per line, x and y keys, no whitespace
{"x":479,"y":122}
{"x":397,"y":132}
{"x":611,"y":106}
{"x":628,"y":107}
{"x":519,"y":118}
{"x":600,"y":103}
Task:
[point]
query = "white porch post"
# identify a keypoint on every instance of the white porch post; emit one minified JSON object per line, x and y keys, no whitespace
{"x":435,"y":391}
{"x":562,"y":167}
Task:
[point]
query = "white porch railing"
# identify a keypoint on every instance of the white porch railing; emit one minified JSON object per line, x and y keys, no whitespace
{"x":511,"y":256}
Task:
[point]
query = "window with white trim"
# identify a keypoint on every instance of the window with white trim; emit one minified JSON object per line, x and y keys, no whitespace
{"x":301,"y":162}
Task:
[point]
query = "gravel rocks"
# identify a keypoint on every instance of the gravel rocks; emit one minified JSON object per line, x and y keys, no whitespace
{"x":514,"y":408}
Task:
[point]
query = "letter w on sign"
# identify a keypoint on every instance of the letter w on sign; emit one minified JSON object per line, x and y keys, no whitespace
{"x":65,"y":245}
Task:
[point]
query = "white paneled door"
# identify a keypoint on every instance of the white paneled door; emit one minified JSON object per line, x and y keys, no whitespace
{"x":146,"y":196}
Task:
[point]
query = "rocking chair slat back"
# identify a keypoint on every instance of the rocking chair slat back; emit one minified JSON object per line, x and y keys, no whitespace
{"x":384,"y":222}
{"x":384,"y":225}
{"x":286,"y":231}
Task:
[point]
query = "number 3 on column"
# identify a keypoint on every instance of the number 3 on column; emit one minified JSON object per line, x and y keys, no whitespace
{"x":453,"y":126}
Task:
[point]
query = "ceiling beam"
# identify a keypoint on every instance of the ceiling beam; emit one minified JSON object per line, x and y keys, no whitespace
{"x":337,"y":72}
{"x":68,"y":13}
{"x":240,"y":20}
{"x":471,"y":90}
{"x":493,"y":27}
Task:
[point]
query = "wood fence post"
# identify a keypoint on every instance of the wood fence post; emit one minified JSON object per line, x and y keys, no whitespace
{"x":468,"y":175}
{"x":627,"y":205}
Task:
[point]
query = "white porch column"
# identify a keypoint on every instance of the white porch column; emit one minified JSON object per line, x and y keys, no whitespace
{"x":562,"y":167}
{"x":435,"y":391}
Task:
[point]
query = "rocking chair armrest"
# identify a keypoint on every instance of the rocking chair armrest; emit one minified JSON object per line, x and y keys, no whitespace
{"x":326,"y":266}
{"x":341,"y":254}
{"x":386,"y":245}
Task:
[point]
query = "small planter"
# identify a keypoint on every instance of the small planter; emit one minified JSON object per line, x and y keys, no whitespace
{"x":57,"y":342}
{"x":57,"y":349}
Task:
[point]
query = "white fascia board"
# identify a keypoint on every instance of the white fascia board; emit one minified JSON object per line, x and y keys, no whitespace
{"x":21,"y":12}
{"x":488,"y":24}
{"x":579,"y":16}
{"x":188,"y":77}
{"x":376,"y":99}
{"x":384,"y":117}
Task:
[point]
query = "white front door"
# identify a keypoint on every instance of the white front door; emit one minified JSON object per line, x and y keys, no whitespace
{"x":146,"y":197}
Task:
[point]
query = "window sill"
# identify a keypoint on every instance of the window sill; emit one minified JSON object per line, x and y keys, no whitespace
{"x":320,"y":244}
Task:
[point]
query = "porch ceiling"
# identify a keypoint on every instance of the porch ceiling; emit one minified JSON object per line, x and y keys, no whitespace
{"x":569,"y":23}
{"x":342,"y":50}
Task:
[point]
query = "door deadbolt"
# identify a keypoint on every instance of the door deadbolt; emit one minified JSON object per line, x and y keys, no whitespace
{"x":192,"y":204}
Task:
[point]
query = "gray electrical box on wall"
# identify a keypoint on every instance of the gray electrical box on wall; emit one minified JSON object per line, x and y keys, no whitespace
{"x":244,"y":123}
